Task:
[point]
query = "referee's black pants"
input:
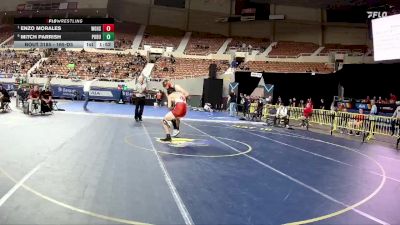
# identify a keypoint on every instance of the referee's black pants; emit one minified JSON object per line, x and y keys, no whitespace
{"x":140,"y":101}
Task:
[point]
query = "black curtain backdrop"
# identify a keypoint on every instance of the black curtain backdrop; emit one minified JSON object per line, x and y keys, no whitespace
{"x":292,"y":85}
{"x":361,"y":80}
{"x":247,"y":83}
{"x":358,"y":80}
{"x":302,"y":86}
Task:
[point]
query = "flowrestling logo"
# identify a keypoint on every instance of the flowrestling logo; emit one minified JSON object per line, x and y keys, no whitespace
{"x":376,"y":14}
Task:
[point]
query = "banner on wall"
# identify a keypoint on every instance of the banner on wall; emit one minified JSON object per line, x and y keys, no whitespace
{"x":234,"y":87}
{"x":104,"y":94}
{"x":8,"y":86}
{"x":76,"y":92}
{"x":269,"y":90}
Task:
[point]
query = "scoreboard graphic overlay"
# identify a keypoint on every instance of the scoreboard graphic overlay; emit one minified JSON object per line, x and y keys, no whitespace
{"x":64,"y":33}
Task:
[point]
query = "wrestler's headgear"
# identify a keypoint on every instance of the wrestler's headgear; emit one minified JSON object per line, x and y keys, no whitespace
{"x":170,"y":90}
{"x":166,"y":84}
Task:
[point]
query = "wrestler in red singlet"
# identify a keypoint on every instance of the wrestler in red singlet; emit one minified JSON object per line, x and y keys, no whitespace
{"x":176,"y":97}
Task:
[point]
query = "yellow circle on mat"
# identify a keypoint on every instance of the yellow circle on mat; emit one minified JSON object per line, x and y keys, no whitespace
{"x":249,"y":149}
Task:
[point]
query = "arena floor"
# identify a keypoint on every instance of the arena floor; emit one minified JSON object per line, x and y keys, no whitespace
{"x":104,"y":168}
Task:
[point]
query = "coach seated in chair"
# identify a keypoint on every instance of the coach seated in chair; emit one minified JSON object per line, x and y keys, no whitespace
{"x":4,"y":97}
{"x":34,"y":99}
{"x":282,"y":114}
{"x":46,"y":97}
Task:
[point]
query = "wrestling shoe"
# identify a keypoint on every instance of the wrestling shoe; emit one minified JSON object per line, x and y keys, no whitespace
{"x":168,"y":138}
{"x":175,"y":133}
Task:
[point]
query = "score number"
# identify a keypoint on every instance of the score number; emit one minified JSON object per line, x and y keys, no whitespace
{"x":108,"y":27}
{"x":108,"y":32}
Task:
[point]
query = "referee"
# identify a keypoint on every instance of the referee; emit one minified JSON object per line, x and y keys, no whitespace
{"x":140,"y":88}
{"x":86,"y":90}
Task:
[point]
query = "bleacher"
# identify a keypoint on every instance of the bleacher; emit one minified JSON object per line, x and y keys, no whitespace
{"x":339,"y":48}
{"x":184,"y":68}
{"x":90,"y":64}
{"x":204,"y":44}
{"x":160,"y":37}
{"x":285,"y":67}
{"x":5,"y":33}
{"x":292,"y":49}
{"x":125,"y":34}
{"x":242,"y":44}
{"x":15,"y":62}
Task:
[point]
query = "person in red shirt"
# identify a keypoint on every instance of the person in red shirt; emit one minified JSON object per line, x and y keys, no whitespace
{"x":34,"y":97}
{"x":307,"y":112}
{"x":393,"y":98}
{"x":357,"y":122}
{"x":177,"y":97}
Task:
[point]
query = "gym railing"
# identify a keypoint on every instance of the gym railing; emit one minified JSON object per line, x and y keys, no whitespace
{"x":362,"y":124}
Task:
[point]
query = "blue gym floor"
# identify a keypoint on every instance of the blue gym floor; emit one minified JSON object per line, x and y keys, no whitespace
{"x":90,"y":168}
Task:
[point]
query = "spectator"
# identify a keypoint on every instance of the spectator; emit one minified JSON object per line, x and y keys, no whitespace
{"x":322,"y":104}
{"x":367,"y":100}
{"x":246,"y":104}
{"x":307,"y":112}
{"x":159,"y":97}
{"x":34,"y":96}
{"x":4,"y":97}
{"x":232,"y":99}
{"x":333,"y":108}
{"x":301,"y":104}
{"x":374,"y":109}
{"x":279,"y":100}
{"x":47,"y":99}
{"x":380,"y":100}
{"x":172,"y":59}
{"x":260,"y":106}
{"x":396,"y":119}
{"x":393,"y":98}
{"x":22,"y":95}
{"x":357,"y":122}
{"x":241,"y":101}
{"x":268,"y":100}
{"x":282,"y":114}
{"x":208,"y":108}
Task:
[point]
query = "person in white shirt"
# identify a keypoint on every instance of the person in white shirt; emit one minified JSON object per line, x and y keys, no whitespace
{"x":208,"y":108}
{"x":374,"y":109}
{"x":282,"y":114}
{"x":140,"y":88}
{"x":86,"y":90}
